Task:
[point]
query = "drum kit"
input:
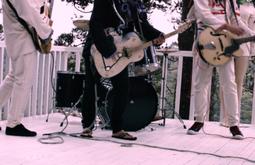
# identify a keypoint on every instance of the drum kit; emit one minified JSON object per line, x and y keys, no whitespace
{"x":143,"y":99}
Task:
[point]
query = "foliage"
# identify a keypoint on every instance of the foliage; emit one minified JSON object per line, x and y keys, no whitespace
{"x":150,"y":4}
{"x":75,"y":38}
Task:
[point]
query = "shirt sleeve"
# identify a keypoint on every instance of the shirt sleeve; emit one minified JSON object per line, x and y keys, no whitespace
{"x":240,"y":22}
{"x":205,"y":15}
{"x":104,"y":43}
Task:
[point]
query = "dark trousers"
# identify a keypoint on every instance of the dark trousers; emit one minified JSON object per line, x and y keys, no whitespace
{"x":120,"y":84}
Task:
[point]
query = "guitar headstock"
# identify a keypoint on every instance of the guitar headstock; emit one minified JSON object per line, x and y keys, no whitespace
{"x":185,"y":25}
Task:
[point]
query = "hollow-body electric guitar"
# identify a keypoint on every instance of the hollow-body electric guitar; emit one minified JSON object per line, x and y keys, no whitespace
{"x":130,"y":48}
{"x":217,"y":48}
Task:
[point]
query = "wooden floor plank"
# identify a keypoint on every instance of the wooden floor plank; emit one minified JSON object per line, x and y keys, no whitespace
{"x":156,"y":145}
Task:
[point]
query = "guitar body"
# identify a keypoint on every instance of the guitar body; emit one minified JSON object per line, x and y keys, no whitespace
{"x":217,"y":48}
{"x":47,"y":12}
{"x":127,"y":53}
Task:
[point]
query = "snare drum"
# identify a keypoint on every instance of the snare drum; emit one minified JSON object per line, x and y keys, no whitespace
{"x":141,"y":108}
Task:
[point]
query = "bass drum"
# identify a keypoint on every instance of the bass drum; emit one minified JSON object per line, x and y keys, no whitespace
{"x":141,"y":108}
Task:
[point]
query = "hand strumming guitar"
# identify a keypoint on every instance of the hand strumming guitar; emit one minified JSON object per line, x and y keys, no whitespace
{"x":233,"y":29}
{"x":160,"y":40}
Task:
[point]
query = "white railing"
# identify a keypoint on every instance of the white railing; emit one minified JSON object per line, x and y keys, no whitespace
{"x":42,"y":94}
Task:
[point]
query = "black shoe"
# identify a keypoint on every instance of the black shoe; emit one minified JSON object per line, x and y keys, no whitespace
{"x":87,"y":133}
{"x":194,"y":129}
{"x":19,"y":130}
{"x":237,"y":134}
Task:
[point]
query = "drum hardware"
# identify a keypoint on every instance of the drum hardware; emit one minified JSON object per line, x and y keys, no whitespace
{"x":102,"y":104}
{"x":68,"y":94}
{"x":148,"y":65}
{"x":68,"y":97}
{"x":164,"y":87}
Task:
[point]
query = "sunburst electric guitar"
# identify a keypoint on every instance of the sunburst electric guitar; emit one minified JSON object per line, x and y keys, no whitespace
{"x":129,"y":49}
{"x":47,"y":12}
{"x":217,"y":48}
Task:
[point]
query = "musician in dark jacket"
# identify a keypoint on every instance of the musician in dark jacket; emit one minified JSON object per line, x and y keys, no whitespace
{"x":123,"y":16}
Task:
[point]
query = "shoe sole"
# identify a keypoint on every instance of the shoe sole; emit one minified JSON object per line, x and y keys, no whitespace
{"x":238,"y":137}
{"x":191,"y":132}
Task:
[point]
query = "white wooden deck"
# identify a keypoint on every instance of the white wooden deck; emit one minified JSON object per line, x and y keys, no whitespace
{"x":156,"y":145}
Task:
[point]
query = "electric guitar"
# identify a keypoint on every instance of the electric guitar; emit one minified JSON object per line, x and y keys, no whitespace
{"x":217,"y":48}
{"x":130,"y":48}
{"x":47,"y":12}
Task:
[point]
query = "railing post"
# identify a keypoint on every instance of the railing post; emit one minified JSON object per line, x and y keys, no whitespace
{"x":178,"y":84}
{"x":253,"y":103}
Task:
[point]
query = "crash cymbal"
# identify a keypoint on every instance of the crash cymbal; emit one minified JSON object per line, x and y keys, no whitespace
{"x":82,"y":24}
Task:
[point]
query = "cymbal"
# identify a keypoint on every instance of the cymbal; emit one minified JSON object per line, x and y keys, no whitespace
{"x":82,"y":24}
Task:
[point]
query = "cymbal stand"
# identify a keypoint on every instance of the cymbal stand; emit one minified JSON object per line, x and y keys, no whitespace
{"x":163,"y":90}
{"x":163,"y":87}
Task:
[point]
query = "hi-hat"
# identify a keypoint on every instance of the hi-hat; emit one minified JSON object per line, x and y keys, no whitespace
{"x":82,"y":24}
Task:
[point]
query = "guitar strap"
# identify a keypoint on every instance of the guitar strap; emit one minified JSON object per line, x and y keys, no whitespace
{"x":124,"y":22}
{"x":25,"y":25}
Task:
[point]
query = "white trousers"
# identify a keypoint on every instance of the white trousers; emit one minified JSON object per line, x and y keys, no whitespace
{"x":241,"y":65}
{"x":17,"y":86}
{"x":202,"y":82}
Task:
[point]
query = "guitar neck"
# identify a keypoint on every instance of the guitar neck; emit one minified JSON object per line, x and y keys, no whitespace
{"x":180,"y":29}
{"x":150,"y":43}
{"x":244,"y":40}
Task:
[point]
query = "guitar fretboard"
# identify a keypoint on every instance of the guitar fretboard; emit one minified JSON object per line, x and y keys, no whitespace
{"x":244,"y":40}
{"x":181,"y":28}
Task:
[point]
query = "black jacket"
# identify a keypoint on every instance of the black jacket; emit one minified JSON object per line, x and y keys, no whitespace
{"x":104,"y":16}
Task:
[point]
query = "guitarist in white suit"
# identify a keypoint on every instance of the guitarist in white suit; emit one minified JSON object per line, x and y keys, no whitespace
{"x":23,"y":55}
{"x":123,"y":16}
{"x":219,"y":14}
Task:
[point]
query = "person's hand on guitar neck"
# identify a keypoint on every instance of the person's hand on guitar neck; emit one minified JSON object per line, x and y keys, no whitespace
{"x":160,"y":40}
{"x":233,"y":29}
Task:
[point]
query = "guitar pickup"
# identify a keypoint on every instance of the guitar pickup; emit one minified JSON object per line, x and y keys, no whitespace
{"x":210,"y":46}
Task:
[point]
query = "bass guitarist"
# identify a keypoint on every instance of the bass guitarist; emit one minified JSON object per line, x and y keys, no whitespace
{"x":120,"y":16}
{"x":23,"y":55}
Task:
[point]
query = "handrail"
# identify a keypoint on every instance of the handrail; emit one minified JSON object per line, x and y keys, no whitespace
{"x":42,"y":98}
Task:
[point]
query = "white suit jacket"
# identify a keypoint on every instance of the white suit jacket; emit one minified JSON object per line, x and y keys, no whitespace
{"x":214,"y":15}
{"x":18,"y":40}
